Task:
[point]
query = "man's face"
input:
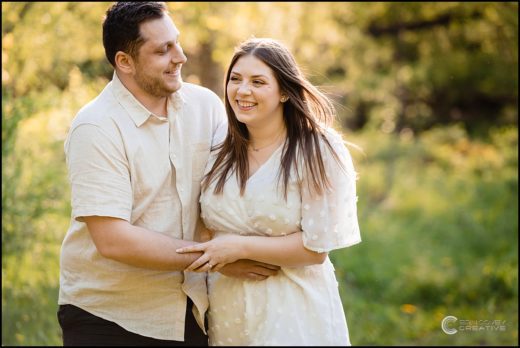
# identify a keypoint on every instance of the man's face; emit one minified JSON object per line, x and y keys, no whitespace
{"x":159,"y":60}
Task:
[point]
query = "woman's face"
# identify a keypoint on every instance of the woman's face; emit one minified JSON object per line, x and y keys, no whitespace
{"x":253,"y":92}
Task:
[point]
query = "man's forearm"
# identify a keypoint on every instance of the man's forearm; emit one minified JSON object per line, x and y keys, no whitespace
{"x":121,"y":241}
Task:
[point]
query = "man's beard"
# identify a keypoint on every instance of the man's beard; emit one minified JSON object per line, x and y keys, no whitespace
{"x":152,"y":85}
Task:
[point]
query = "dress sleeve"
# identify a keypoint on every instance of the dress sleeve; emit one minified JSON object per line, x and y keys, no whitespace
{"x":329,"y":221}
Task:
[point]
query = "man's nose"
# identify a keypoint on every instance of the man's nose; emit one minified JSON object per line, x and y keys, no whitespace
{"x":179,"y":57}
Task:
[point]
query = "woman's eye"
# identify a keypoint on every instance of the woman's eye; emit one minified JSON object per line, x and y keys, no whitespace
{"x":234,"y":78}
{"x":258,"y":82}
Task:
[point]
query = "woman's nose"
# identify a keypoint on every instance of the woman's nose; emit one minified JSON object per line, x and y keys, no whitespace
{"x":244,"y":89}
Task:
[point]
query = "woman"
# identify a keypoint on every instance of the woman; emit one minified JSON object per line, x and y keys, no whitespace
{"x":279,"y":189}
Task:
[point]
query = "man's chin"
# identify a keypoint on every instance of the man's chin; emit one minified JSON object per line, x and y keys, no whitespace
{"x":174,"y":87}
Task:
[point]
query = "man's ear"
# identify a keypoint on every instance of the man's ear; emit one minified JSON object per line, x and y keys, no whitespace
{"x":124,"y":62}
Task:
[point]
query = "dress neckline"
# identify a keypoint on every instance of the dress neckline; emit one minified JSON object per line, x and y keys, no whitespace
{"x":275,"y":152}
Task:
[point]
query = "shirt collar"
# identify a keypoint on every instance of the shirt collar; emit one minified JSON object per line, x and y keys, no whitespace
{"x":137,"y":111}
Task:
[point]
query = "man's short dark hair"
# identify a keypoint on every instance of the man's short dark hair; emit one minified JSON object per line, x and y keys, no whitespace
{"x":121,"y":26}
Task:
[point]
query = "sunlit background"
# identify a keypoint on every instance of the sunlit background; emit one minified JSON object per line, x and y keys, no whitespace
{"x":429,"y":91}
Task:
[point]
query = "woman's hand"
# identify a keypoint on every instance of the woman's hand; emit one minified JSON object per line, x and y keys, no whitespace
{"x":216,"y":252}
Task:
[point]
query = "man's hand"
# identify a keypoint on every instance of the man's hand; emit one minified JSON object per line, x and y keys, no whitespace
{"x":203,"y":234}
{"x":249,"y":269}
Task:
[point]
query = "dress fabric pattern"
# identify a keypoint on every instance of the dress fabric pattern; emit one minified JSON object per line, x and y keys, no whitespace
{"x":298,"y":306}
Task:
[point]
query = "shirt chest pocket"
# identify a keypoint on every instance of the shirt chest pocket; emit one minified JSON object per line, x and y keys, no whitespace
{"x":148,"y":174}
{"x":199,"y":158}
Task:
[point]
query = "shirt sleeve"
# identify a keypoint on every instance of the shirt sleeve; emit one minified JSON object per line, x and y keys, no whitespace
{"x":98,"y":174}
{"x":329,"y":221}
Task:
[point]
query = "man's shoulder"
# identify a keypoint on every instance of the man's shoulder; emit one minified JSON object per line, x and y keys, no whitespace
{"x":97,"y":110}
{"x":191,"y":91}
{"x":191,"y":88}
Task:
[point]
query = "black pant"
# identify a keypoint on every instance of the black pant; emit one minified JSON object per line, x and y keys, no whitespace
{"x":80,"y":328}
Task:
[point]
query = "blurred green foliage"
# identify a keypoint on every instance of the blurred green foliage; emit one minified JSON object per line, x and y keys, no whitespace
{"x":428,"y":90}
{"x":439,"y":221}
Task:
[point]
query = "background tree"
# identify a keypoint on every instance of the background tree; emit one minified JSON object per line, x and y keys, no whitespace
{"x":428,"y":90}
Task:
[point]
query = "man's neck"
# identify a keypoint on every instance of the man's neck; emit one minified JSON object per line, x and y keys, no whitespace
{"x":154,"y":104}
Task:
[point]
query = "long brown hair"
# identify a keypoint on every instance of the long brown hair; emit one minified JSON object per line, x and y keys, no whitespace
{"x":305,"y":114}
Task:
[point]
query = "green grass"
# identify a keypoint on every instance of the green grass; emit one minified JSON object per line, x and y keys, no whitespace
{"x":30,"y":285}
{"x":439,"y":222}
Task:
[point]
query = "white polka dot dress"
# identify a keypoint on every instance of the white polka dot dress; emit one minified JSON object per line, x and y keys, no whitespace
{"x":299,"y":306}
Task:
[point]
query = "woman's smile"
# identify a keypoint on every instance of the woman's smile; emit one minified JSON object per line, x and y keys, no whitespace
{"x":245,"y":105}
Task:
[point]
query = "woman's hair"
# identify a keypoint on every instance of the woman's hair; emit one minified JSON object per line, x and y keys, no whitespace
{"x":305,"y":114}
{"x":121,"y":27}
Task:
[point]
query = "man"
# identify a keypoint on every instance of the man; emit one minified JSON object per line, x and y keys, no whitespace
{"x":136,"y":155}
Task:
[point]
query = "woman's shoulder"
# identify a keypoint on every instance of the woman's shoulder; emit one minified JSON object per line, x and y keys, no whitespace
{"x":332,"y":135}
{"x":339,"y":145}
{"x":335,"y":139}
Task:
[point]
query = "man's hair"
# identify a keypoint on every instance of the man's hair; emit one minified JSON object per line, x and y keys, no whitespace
{"x":121,"y":27}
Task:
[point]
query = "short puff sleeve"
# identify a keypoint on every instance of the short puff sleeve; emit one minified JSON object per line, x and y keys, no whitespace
{"x":329,"y":221}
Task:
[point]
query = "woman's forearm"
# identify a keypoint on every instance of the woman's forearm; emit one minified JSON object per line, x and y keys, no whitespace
{"x":284,"y":251}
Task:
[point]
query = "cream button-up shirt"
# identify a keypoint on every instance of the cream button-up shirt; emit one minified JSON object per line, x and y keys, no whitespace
{"x":127,"y":163}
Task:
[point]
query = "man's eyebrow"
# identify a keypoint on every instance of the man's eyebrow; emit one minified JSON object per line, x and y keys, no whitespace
{"x":164,"y":43}
{"x":169,"y":42}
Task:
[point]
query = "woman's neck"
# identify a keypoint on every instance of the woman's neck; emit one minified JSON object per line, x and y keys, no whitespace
{"x":260,"y":138}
